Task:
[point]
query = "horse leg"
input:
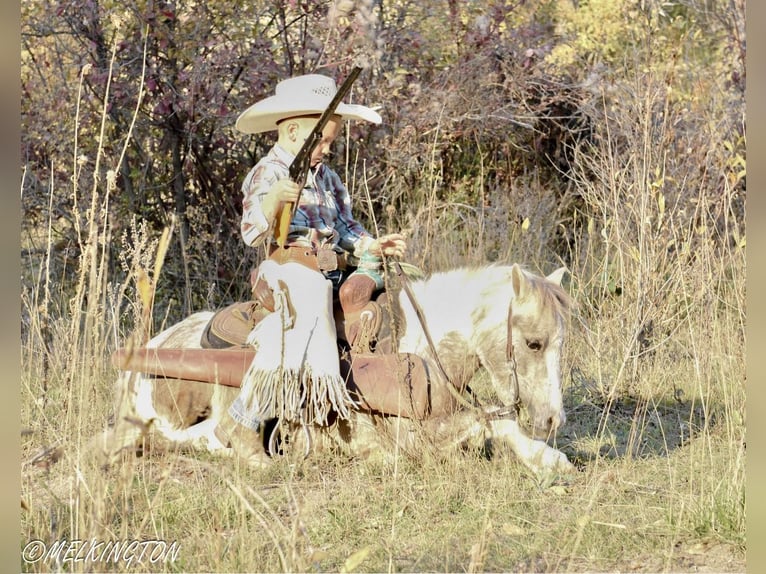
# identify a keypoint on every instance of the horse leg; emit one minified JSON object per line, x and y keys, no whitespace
{"x":180,"y":412}
{"x":202,"y":436}
{"x":534,"y":454}
{"x":213,"y":429}
{"x":200,"y":409}
{"x":467,"y":427}
{"x":365,"y":436}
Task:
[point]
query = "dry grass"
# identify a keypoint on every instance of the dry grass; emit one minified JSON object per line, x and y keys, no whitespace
{"x":655,"y":400}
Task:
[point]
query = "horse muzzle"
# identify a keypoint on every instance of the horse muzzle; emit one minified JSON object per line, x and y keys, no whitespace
{"x":545,"y":426}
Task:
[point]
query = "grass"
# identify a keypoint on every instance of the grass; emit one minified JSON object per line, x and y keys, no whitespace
{"x":654,"y":386}
{"x":467,"y":513}
{"x":660,"y":487}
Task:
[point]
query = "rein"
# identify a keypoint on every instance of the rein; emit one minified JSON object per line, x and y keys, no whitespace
{"x":510,"y":357}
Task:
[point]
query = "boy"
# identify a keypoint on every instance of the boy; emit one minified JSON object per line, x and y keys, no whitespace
{"x":323,"y":234}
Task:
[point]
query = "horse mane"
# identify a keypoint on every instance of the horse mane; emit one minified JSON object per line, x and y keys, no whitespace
{"x":550,"y":295}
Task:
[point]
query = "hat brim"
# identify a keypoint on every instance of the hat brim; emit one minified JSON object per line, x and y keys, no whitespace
{"x":264,"y":115}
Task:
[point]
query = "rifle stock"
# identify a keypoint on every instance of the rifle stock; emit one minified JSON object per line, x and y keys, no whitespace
{"x":283,"y":225}
{"x":300,"y":166}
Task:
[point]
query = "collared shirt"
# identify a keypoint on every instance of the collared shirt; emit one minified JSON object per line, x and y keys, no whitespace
{"x":323,"y":216}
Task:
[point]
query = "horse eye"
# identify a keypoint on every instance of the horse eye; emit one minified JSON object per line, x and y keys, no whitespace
{"x":534,"y":345}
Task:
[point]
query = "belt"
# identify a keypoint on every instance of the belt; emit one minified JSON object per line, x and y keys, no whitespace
{"x":318,"y":259}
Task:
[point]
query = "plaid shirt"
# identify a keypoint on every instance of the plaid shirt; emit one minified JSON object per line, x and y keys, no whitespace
{"x":323,"y":216}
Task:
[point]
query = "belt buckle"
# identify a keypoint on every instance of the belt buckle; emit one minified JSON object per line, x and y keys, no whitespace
{"x":327,"y":259}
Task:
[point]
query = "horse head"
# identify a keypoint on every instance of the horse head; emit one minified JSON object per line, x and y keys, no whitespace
{"x":536,"y":329}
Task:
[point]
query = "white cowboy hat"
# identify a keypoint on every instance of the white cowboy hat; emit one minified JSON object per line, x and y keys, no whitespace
{"x":299,"y":96}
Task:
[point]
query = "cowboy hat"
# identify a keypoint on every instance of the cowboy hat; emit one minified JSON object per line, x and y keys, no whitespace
{"x":299,"y":96}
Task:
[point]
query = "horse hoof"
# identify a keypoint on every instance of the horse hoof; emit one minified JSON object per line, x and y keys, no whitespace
{"x":563,"y":465}
{"x":258,"y":461}
{"x":552,"y":460}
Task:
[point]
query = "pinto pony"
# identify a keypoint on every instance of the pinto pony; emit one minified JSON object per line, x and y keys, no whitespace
{"x":499,"y":317}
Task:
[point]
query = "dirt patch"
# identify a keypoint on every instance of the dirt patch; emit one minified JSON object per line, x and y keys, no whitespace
{"x":693,"y":556}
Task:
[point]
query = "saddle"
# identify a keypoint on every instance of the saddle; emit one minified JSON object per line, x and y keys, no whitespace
{"x":230,"y":326}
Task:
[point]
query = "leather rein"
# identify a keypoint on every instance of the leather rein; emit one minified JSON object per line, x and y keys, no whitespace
{"x":511,"y":359}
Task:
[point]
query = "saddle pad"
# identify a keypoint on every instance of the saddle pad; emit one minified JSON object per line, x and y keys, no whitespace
{"x":230,"y":326}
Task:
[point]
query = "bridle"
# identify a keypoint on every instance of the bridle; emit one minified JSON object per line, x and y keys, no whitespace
{"x":511,"y":359}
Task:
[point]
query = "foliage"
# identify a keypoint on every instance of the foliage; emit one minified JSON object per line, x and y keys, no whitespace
{"x":481,"y":123}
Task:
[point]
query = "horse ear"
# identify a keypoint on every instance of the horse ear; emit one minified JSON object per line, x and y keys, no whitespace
{"x":518,"y":281}
{"x":557,"y":276}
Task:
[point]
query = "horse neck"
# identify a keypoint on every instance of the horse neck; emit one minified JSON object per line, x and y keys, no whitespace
{"x":460,"y":311}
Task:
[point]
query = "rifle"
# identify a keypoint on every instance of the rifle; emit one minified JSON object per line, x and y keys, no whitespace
{"x":299,"y":168}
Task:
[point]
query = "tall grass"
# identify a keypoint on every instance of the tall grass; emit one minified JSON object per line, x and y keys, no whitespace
{"x":654,"y":386}
{"x":659,"y":274}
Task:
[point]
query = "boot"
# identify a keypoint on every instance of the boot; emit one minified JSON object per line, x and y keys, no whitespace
{"x":246,"y":443}
{"x":362,"y":327}
{"x":361,"y":317}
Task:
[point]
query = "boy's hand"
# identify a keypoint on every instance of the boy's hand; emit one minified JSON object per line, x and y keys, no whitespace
{"x":285,"y":191}
{"x":391,"y":245}
{"x":282,"y":192}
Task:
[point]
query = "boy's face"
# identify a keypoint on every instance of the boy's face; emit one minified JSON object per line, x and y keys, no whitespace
{"x":329,"y":133}
{"x":303,"y":129}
